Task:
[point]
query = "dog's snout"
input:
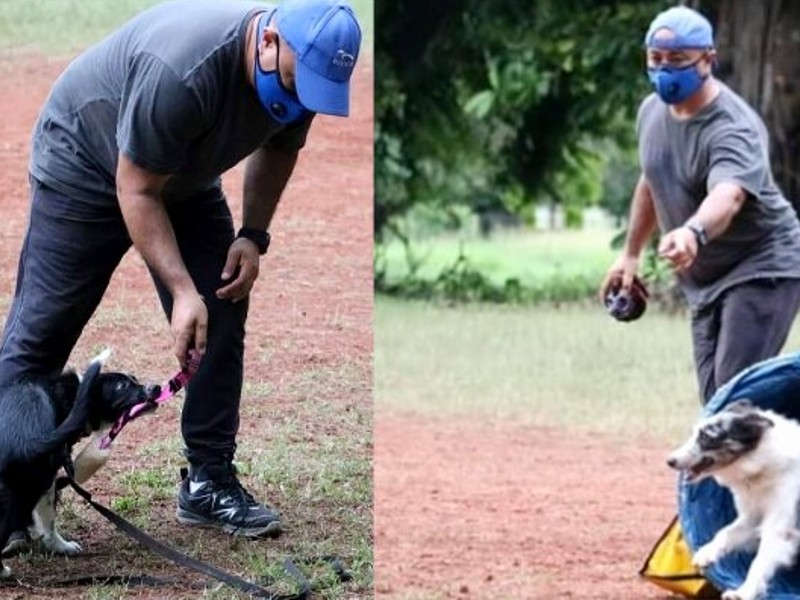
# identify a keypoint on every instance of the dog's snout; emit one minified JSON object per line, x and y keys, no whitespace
{"x":672,"y":462}
{"x":153,"y":391}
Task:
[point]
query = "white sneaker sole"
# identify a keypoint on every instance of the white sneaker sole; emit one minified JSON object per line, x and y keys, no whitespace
{"x":272,"y":529}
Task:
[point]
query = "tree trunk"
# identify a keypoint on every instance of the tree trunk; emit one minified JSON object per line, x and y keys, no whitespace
{"x":759,"y":47}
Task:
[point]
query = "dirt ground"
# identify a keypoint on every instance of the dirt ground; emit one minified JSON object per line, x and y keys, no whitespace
{"x":312,"y":305}
{"x":472,"y":509}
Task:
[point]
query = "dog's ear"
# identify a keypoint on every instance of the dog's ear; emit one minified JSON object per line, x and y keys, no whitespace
{"x":749,"y":427}
{"x":742,"y":405}
{"x":92,"y":373}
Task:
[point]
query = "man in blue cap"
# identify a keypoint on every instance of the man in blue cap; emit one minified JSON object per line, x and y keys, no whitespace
{"x":128,"y":150}
{"x":730,"y":236}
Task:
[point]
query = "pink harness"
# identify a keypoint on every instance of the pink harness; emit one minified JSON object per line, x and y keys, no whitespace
{"x":174,"y":385}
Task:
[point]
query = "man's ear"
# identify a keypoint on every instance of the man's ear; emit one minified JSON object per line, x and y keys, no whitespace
{"x":712,"y":58}
{"x":269,"y":37}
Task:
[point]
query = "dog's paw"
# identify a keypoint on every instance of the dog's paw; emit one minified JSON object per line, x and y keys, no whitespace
{"x":740,"y":594}
{"x":59,"y":545}
{"x":5,"y":572}
{"x":705,"y":556}
{"x":71,"y":548}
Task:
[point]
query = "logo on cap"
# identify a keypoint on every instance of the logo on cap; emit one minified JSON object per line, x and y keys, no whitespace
{"x":343,"y":59}
{"x":325,"y":37}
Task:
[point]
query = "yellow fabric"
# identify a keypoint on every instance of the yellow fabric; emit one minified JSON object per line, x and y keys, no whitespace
{"x":669,"y":566}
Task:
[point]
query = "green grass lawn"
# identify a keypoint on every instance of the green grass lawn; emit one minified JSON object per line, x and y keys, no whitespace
{"x":365,"y":11}
{"x":61,"y":27}
{"x":565,"y":367}
{"x":533,"y":256}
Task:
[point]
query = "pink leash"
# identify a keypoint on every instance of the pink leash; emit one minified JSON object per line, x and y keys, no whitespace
{"x":174,"y":385}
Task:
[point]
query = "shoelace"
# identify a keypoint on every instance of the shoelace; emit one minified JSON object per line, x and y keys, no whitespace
{"x":230,"y":483}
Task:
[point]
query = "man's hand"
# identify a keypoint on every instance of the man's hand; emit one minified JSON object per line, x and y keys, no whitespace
{"x":679,"y":247}
{"x":243,"y":262}
{"x":189,"y":324}
{"x":620,"y":275}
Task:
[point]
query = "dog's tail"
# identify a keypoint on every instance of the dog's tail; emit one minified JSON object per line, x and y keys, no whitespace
{"x":75,"y":423}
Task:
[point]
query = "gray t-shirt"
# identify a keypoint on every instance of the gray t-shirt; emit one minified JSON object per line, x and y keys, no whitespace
{"x":682,"y":160}
{"x":169,"y":90}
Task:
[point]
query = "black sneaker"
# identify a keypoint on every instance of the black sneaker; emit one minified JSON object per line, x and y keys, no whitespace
{"x":213,"y":497}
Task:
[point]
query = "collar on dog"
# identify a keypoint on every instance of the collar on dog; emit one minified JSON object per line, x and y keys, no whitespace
{"x":173,"y":386}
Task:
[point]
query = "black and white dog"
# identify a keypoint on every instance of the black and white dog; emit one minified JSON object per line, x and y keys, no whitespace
{"x":41,"y":420}
{"x":756,"y":455}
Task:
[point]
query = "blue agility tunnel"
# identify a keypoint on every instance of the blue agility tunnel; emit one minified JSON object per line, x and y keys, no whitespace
{"x":705,"y":507}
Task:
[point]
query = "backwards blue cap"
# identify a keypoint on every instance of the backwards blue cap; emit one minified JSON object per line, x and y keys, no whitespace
{"x":325,"y":37}
{"x":690,"y":29}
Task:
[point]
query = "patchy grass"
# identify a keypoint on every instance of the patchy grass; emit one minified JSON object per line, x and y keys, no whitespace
{"x":314,"y":466}
{"x":569,"y":367}
{"x":305,"y":448}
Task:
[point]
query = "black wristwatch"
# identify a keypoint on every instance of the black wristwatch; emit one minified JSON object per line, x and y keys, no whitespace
{"x":259,"y":237}
{"x":699,"y":233}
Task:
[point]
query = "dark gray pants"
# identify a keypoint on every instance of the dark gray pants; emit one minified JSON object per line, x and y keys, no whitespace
{"x":70,"y":252}
{"x":748,"y":323}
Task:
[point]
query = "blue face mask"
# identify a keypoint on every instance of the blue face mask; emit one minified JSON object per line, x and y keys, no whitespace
{"x":674,"y":85}
{"x":281,"y":104}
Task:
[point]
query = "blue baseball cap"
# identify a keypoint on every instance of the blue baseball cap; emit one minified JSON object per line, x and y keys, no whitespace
{"x":689,"y":27}
{"x":325,"y":37}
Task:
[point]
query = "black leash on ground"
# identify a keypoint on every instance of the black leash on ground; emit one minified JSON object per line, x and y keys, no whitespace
{"x":304,"y":585}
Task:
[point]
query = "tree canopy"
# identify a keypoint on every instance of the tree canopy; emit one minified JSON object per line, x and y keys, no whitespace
{"x":507,"y":103}
{"x":502,"y":100}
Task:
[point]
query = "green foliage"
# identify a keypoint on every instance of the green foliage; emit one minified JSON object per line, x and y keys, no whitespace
{"x":476,"y":98}
{"x":463,"y":283}
{"x":524,"y":267}
{"x":554,"y":269}
{"x":652,"y":267}
{"x":621,"y":170}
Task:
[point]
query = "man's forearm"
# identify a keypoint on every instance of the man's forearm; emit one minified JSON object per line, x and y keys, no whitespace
{"x":265,"y":176}
{"x":719,"y":208}
{"x":642,"y":219}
